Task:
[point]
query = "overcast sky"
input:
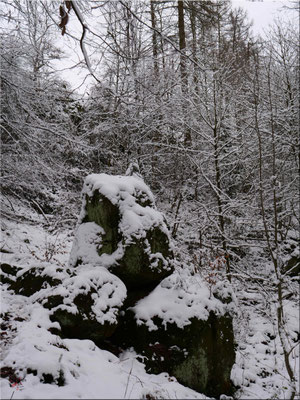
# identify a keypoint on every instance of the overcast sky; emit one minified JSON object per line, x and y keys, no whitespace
{"x":263,"y":13}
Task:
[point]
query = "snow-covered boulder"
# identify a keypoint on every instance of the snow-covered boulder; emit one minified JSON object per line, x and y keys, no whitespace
{"x":85,"y":302}
{"x":86,"y":305}
{"x":121,"y":229}
{"x":183,"y":329}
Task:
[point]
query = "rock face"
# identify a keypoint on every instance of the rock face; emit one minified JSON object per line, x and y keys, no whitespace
{"x":87,"y":304}
{"x":128,"y":235}
{"x":200,"y":355}
{"x":122,"y":289}
{"x":183,"y":330}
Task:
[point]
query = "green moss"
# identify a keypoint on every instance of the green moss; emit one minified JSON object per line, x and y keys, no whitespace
{"x":200,"y":355}
{"x":194,"y":370}
{"x":159,"y":242}
{"x":101,"y":211}
{"x":82,"y":325}
{"x":135,"y":269}
{"x":134,"y":259}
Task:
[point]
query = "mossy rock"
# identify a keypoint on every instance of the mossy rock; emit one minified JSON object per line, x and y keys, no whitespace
{"x":145,"y":261}
{"x":83,"y":324}
{"x":86,"y":305}
{"x":140,"y":267}
{"x":33,"y":281}
{"x":200,"y":355}
{"x":75,"y":326}
{"x":100,"y":210}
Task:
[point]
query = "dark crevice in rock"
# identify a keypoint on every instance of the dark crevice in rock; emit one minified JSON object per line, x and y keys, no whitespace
{"x":134,"y":295}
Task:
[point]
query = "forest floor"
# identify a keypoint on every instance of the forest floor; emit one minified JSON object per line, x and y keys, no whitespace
{"x":30,"y":353}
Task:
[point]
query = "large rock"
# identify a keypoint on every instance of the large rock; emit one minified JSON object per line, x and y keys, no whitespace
{"x":85,"y":302}
{"x":121,"y":229}
{"x":174,"y":321}
{"x":121,"y":290}
{"x":85,"y":305}
{"x":183,"y":329}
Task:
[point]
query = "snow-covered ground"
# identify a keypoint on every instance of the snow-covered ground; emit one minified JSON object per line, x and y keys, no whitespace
{"x":31,"y":353}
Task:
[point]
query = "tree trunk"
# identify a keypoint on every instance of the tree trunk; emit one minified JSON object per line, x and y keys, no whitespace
{"x":154,"y":39}
{"x":184,"y":81}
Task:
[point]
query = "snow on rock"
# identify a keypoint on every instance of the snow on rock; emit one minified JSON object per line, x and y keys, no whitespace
{"x":178,"y":299}
{"x":133,"y":198}
{"x":87,"y":243}
{"x":120,"y":229}
{"x":182,"y":328}
{"x":35,"y":361}
{"x":43,"y":365}
{"x":118,"y":188}
{"x":86,"y":305}
{"x":106,"y":291}
{"x":30,"y":279}
{"x":88,"y":239}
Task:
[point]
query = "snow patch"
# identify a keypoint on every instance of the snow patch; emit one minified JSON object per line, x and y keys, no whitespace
{"x":178,"y":299}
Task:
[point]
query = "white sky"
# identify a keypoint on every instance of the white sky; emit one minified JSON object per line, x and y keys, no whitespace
{"x":261,"y":13}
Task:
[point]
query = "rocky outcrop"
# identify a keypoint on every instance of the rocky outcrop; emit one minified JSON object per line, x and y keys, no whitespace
{"x":183,"y":330}
{"x":122,"y":289}
{"x":128,"y":235}
{"x":200,"y":355}
{"x":86,"y":305}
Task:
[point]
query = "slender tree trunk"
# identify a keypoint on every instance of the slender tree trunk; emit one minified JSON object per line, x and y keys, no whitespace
{"x":154,"y":39}
{"x":182,"y":46}
{"x":219,"y":185}
{"x":194,"y":46}
{"x":184,"y":81}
